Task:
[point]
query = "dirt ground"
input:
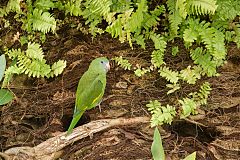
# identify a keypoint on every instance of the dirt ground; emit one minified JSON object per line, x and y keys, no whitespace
{"x":43,"y":107}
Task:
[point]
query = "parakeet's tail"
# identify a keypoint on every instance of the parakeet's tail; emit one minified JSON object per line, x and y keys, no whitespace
{"x":75,"y":120}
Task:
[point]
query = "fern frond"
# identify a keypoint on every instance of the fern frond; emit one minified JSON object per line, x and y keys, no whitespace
{"x":171,"y":76}
{"x":202,"y":7}
{"x":214,"y":42}
{"x":34,"y":51}
{"x":160,"y":114}
{"x":215,"y":52}
{"x":13,"y":6}
{"x":204,"y":59}
{"x":36,"y":68}
{"x":201,"y":96}
{"x":158,"y":41}
{"x":174,"y":17}
{"x":190,"y":75}
{"x":117,"y":27}
{"x":57,"y":68}
{"x":44,"y":5}
{"x":140,"y":40}
{"x":141,"y":71}
{"x":136,"y":19}
{"x":227,"y":10}
{"x":188,"y":107}
{"x":8,"y":74}
{"x":73,"y":8}
{"x":181,"y":5}
{"x":124,"y":63}
{"x":31,"y":62}
{"x":173,"y":88}
{"x":157,"y":58}
{"x":43,"y":21}
{"x":160,"y":46}
{"x":236,"y":39}
{"x":14,"y":53}
{"x":97,"y":7}
{"x":151,"y":20}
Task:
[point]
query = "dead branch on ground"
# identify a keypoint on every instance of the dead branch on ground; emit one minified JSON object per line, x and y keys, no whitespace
{"x":52,"y":148}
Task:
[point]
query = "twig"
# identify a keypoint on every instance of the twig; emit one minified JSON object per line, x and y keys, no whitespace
{"x":51,"y":148}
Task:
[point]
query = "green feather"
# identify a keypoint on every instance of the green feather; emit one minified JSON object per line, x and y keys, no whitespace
{"x":90,"y":89}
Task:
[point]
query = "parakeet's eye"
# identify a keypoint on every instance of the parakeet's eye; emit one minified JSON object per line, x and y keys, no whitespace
{"x":101,"y":61}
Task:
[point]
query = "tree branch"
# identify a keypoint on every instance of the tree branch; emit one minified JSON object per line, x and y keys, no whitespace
{"x":51,"y":148}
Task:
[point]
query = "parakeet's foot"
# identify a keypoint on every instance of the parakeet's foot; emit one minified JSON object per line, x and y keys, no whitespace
{"x":99,"y":106}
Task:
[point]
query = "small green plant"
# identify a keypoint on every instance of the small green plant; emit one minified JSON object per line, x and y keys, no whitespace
{"x":157,"y":147}
{"x":32,"y":63}
{"x":187,"y":106}
{"x":161,"y":114}
{"x":175,"y":50}
{"x":5,"y":95}
{"x":34,"y":16}
{"x":158,"y":150}
{"x":124,"y":63}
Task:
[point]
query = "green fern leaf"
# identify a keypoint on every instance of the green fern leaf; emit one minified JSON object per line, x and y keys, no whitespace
{"x":171,"y":76}
{"x":74,"y":8}
{"x":203,"y":59}
{"x":44,"y":5}
{"x":43,"y":21}
{"x":34,"y":51}
{"x":160,"y":114}
{"x":190,"y":75}
{"x":157,"y":58}
{"x":173,"y":88}
{"x":188,"y":107}
{"x":57,"y":68}
{"x":236,"y":39}
{"x":14,"y":53}
{"x":151,"y":20}
{"x":181,"y":5}
{"x":124,"y":63}
{"x":190,"y":35}
{"x":201,"y":7}
{"x":136,"y":18}
{"x":227,"y":10}
{"x":174,"y":17}
{"x":37,"y":68}
{"x":8,"y":74}
{"x":13,"y":6}
{"x":97,"y":7}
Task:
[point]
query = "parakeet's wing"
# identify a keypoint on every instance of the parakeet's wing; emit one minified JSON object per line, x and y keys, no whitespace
{"x":91,"y":96}
{"x":88,"y":95}
{"x":91,"y":93}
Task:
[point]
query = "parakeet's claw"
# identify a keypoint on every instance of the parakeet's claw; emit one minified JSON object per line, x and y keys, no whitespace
{"x":99,"y":106}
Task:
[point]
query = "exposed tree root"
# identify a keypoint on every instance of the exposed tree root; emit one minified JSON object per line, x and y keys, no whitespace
{"x":52,"y":148}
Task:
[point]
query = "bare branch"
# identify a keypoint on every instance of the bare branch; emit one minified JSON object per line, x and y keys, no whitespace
{"x":51,"y":148}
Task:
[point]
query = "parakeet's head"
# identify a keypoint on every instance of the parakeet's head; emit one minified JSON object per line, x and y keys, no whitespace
{"x":101,"y":63}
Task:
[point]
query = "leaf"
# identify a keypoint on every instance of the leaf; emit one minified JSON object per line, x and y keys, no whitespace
{"x":189,"y":106}
{"x":157,"y":148}
{"x":171,"y":76}
{"x":5,"y":96}
{"x":43,"y":21}
{"x":34,"y":51}
{"x":191,"y":156}
{"x":173,"y":87}
{"x":2,"y":65}
{"x":58,"y":67}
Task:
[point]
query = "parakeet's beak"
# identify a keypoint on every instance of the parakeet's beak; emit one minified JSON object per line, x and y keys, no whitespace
{"x":108,"y":66}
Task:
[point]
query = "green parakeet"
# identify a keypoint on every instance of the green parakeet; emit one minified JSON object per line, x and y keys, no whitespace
{"x":90,"y":89}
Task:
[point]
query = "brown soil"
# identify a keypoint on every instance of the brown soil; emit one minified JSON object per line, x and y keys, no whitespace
{"x":43,"y":107}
